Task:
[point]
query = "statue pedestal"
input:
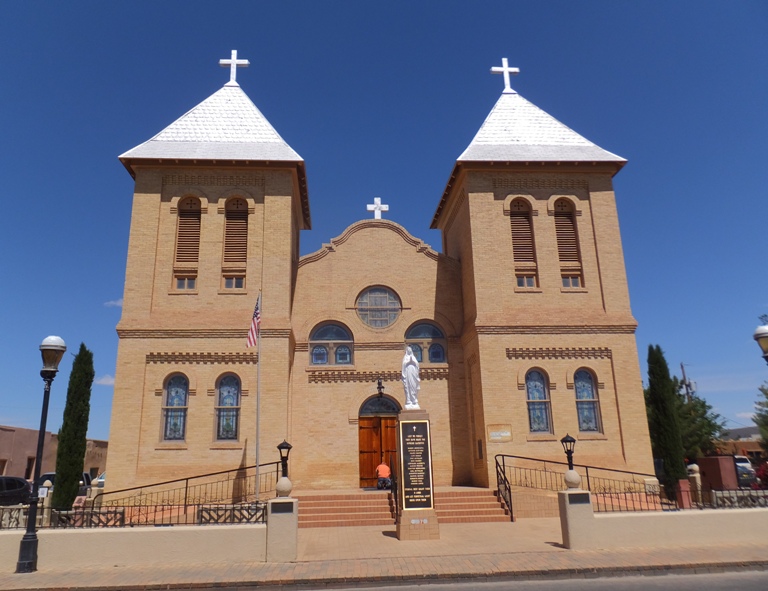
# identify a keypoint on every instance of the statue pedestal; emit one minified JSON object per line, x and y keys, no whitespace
{"x":417,"y":519}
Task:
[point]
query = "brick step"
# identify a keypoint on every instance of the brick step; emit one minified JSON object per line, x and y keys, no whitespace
{"x":337,"y":502}
{"x":344,"y":516}
{"x":464,"y":513}
{"x":347,"y":523}
{"x":344,"y":509}
{"x":464,"y":494}
{"x":475,"y":519}
{"x":473,"y":505}
{"x":330,"y":497}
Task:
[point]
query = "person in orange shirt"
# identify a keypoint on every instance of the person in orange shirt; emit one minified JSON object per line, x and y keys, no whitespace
{"x":384,"y":474}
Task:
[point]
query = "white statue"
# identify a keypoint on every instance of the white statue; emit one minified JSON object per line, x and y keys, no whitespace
{"x":411,"y":380}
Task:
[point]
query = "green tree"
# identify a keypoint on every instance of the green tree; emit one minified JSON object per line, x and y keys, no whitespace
{"x":72,"y":435}
{"x":761,"y":415}
{"x":700,"y":427}
{"x":663,"y":419}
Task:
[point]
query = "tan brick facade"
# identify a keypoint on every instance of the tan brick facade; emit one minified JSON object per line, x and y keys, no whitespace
{"x":495,"y":332}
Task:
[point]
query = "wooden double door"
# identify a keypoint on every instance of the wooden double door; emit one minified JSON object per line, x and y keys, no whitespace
{"x":378,"y":441}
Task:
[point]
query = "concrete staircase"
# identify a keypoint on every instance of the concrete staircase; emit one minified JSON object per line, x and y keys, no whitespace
{"x":353,"y":508}
{"x":468,"y":505}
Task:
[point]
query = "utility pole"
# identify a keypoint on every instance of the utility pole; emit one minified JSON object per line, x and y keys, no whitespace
{"x":689,"y":389}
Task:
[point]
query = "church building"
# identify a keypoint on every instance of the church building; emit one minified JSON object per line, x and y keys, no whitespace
{"x":521,"y":322}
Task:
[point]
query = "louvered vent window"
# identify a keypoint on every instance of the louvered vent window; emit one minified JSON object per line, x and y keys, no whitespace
{"x":188,"y":234}
{"x":235,"y":244}
{"x":523,"y":245}
{"x":568,"y":244}
{"x":236,"y":232}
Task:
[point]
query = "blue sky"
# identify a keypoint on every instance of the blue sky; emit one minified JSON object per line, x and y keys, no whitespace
{"x":380,"y":99}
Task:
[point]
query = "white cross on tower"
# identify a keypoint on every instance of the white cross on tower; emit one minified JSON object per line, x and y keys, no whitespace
{"x":506,"y":70}
{"x":376,"y":207}
{"x":233,"y":63}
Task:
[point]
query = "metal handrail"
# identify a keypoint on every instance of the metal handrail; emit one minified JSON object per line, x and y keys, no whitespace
{"x":270,"y":469}
{"x":503,"y":487}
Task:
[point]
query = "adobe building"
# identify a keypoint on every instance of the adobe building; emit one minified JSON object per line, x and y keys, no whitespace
{"x":522,"y":322}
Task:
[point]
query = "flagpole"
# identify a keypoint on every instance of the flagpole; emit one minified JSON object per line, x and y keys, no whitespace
{"x":254,"y":338}
{"x":258,"y":403}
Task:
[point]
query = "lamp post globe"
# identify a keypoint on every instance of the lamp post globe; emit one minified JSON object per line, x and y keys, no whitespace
{"x":52,"y":350}
{"x":284,"y":486}
{"x":761,"y":336}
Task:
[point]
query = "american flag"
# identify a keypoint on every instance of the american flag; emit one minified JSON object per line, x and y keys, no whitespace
{"x":253,"y":332}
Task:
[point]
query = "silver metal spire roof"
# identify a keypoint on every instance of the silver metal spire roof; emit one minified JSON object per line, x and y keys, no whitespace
{"x":225,"y":126}
{"x":516,"y":130}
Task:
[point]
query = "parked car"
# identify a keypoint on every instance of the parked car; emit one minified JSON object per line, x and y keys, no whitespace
{"x":14,"y":490}
{"x":99,"y":482}
{"x":86,"y":480}
{"x":745,"y":473}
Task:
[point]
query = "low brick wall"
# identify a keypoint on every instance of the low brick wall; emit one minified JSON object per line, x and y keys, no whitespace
{"x":81,"y":548}
{"x":584,"y":530}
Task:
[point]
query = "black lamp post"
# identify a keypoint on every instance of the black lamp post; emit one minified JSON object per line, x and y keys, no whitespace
{"x":52,"y":350}
{"x":761,"y":336}
{"x":285,"y":449}
{"x":568,"y":444}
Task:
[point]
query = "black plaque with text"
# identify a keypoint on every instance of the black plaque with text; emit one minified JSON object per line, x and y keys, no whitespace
{"x":415,"y":459}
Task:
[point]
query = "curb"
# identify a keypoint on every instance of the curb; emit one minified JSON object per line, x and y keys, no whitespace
{"x":401,"y":580}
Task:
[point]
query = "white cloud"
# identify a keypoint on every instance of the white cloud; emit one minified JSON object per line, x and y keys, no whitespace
{"x":114,"y":303}
{"x":105,"y":380}
{"x":745,"y":415}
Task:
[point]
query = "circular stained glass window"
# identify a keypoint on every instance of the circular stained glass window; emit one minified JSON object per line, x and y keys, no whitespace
{"x":378,"y":306}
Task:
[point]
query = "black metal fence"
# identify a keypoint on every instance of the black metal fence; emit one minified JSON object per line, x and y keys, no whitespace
{"x":618,"y":490}
{"x":225,"y":497}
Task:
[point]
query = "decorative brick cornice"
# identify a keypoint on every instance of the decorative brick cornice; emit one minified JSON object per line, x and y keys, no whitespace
{"x":328,"y":376}
{"x":214,"y":180}
{"x":198,"y":333}
{"x":539,"y":182}
{"x":203,"y":358}
{"x":559,"y":353}
{"x":561,"y":329}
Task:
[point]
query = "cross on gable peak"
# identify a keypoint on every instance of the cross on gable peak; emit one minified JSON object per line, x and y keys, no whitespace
{"x":233,"y":63}
{"x":506,"y":71}
{"x":377,"y":207}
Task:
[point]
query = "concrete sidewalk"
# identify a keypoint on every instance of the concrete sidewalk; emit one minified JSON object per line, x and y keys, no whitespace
{"x":354,"y":556}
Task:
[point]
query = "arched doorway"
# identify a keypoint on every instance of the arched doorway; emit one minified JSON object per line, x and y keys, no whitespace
{"x":377,"y":436}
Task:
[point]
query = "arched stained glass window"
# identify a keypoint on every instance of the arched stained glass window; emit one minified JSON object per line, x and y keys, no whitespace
{"x":436,"y":353}
{"x":416,"y":351}
{"x":587,"y":404}
{"x":343,"y":355}
{"x":175,"y":409}
{"x":379,"y":405}
{"x":537,"y":392}
{"x":331,"y":344}
{"x":427,"y":341}
{"x":319,"y":355}
{"x":228,"y":408}
{"x":331,"y":332}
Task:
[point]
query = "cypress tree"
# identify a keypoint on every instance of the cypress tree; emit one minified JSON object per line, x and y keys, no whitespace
{"x":74,"y":428}
{"x":663,"y":420}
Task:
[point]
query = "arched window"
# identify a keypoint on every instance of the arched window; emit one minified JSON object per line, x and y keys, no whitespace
{"x":425,"y":336}
{"x":537,"y":392}
{"x":568,"y":244}
{"x":587,"y":404}
{"x":319,"y":355}
{"x":523,"y":245}
{"x":378,"y":307}
{"x":235,"y":243}
{"x":228,"y":408}
{"x":187,"y":243}
{"x":175,"y":409}
{"x":436,"y":353}
{"x":331,"y":343}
